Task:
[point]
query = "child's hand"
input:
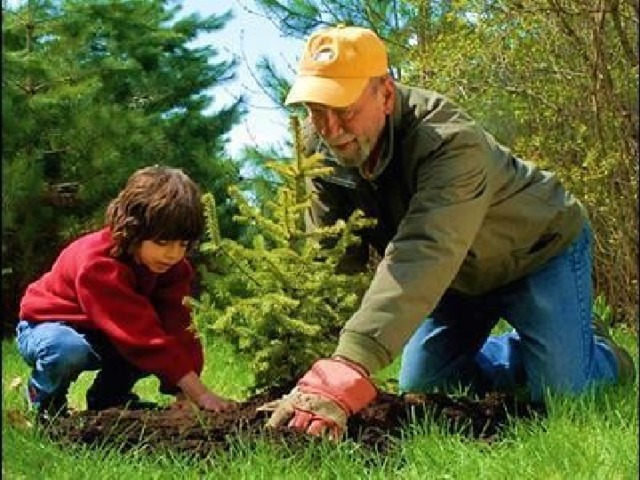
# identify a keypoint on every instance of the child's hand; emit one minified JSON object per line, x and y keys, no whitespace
{"x":211,"y":401}
{"x":181,"y":402}
{"x":193,"y":388}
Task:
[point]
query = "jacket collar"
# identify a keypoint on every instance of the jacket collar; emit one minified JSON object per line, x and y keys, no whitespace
{"x":386,"y":151}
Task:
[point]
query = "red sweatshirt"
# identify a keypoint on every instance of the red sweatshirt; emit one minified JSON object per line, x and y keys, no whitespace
{"x":141,"y":312}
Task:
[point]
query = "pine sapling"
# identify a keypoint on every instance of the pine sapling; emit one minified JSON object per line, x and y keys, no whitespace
{"x":279,"y":301}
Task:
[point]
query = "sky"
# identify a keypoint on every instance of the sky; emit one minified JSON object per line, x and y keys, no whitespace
{"x":249,"y":35}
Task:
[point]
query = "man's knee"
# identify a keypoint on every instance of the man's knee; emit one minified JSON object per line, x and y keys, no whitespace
{"x":421,"y":380}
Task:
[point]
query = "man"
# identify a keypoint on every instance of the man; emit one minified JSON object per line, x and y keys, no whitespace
{"x":468,"y":234}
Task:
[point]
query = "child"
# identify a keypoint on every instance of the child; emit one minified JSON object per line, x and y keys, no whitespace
{"x":113,"y":302}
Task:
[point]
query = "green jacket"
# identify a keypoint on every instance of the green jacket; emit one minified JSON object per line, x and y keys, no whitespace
{"x":455,"y":210}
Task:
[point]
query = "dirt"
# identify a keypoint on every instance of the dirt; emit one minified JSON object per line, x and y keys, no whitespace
{"x":200,"y":433}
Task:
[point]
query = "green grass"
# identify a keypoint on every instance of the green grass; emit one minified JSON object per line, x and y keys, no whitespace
{"x":594,"y":436}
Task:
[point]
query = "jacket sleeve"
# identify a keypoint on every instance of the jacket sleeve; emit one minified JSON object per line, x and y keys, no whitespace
{"x":175,"y":316}
{"x":421,"y":261}
{"x":107,"y":294}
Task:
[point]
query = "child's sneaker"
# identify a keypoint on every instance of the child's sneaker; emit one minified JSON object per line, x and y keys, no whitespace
{"x":134,"y":402}
{"x":46,"y":407}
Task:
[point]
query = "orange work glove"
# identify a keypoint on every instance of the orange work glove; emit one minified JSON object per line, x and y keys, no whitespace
{"x":331,"y":391}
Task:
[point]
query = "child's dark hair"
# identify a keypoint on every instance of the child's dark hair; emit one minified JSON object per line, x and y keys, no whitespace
{"x":157,"y":203}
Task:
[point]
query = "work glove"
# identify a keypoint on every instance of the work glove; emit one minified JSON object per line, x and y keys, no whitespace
{"x":324,"y":398}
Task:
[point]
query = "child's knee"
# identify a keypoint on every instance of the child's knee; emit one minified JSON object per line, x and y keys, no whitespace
{"x":68,"y":355}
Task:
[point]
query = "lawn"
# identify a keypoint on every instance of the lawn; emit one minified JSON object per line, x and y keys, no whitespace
{"x":594,"y":436}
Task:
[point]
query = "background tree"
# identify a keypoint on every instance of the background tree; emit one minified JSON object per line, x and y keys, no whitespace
{"x":91,"y":92}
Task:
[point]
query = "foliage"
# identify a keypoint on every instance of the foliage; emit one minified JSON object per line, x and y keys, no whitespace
{"x":602,"y":312}
{"x":279,"y":300}
{"x":91,"y":92}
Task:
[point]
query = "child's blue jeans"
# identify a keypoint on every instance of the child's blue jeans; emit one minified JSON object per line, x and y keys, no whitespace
{"x":58,"y":354}
{"x":551,"y":348}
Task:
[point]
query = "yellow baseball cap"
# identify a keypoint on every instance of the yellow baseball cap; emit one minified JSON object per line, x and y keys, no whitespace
{"x":336,"y":65}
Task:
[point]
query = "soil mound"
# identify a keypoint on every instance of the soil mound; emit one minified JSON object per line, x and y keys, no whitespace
{"x":200,"y":433}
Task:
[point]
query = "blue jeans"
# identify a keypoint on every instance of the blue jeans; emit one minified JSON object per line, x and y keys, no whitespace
{"x":552,"y":347}
{"x":58,"y":353}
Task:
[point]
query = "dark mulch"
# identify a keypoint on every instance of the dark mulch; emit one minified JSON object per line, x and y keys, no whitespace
{"x":201,"y":433}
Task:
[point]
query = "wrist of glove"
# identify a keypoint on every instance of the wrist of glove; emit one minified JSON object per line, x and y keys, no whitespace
{"x":331,"y":391}
{"x":342,"y":382}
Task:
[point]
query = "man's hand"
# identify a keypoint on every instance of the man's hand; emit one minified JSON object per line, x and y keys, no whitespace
{"x":331,"y":391}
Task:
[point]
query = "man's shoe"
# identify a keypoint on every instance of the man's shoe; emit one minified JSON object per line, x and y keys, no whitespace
{"x":626,"y":367}
{"x":624,"y":361}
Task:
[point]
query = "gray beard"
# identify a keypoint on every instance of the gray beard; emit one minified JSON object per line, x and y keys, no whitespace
{"x":364,"y":150}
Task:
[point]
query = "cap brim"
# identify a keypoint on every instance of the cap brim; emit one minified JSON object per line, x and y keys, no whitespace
{"x":333,"y":92}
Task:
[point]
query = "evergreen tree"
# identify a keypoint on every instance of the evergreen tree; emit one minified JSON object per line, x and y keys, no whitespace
{"x":280,"y":301}
{"x":91,"y":92}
